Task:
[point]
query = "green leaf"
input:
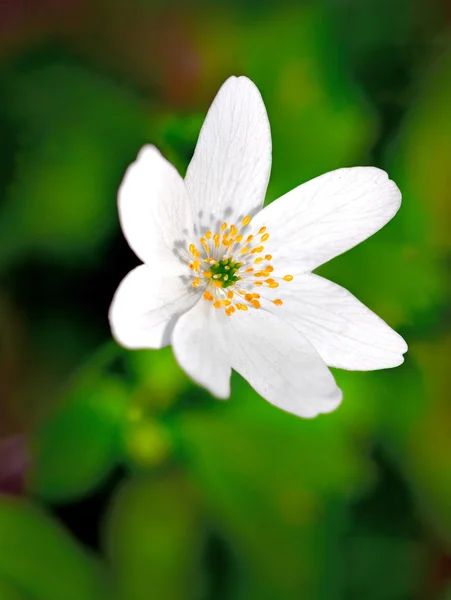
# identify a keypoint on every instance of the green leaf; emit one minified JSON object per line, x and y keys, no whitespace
{"x":9,"y":591}
{"x":78,"y":445}
{"x":78,"y":132}
{"x":319,"y":119}
{"x":421,"y":158}
{"x":41,"y":559}
{"x":424,"y":446}
{"x":154,"y":539}
{"x":269,"y":479}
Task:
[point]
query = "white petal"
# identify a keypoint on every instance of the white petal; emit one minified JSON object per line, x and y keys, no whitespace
{"x":154,"y":208}
{"x":328,"y":215}
{"x":280,"y":364}
{"x":196,"y":342}
{"x":147,"y":304}
{"x":345,"y":333}
{"x":229,"y":172}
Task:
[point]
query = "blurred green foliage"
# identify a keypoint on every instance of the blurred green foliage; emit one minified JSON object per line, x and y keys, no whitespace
{"x":204,"y":499}
{"x":41,"y":561}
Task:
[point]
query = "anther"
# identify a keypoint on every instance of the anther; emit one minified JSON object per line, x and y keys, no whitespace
{"x":265,"y":237}
{"x":217,"y":304}
{"x":196,"y":282}
{"x":278,"y":302}
{"x":233,"y":230}
{"x":245,"y":221}
{"x":257,"y":250}
{"x":288,"y":278}
{"x":268,"y":256}
{"x":261,"y":230}
{"x":256,"y":304}
{"x":223,"y":226}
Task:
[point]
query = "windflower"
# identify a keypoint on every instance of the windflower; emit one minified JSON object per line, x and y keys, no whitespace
{"x":229,"y":284}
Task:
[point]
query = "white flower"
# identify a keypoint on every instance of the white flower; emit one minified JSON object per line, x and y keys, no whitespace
{"x":229,"y":284}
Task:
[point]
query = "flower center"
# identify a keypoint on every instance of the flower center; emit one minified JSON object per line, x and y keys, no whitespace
{"x":225,"y":271}
{"x":234,"y":269}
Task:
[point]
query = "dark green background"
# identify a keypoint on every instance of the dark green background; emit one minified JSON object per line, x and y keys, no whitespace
{"x":139,"y":485}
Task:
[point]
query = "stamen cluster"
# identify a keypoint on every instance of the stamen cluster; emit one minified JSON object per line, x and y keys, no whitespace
{"x":227,"y":279}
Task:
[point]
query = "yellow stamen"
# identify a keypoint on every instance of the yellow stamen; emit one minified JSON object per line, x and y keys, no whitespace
{"x":207,"y":295}
{"x":269,"y":269}
{"x":218,"y":284}
{"x":258,"y":260}
{"x":261,"y":230}
{"x":217,"y":304}
{"x":249,"y":297}
{"x":245,"y":221}
{"x":230,"y":294}
{"x":233,"y":230}
{"x":208,"y":235}
{"x":223,"y":226}
{"x":196,"y":282}
{"x":278,"y":302}
{"x":257,"y":250}
{"x":274,"y":285}
{"x":226,"y":302}
{"x":241,"y":306}
{"x":288,"y":278}
{"x":258,"y":282}
{"x":268,"y":257}
{"x":249,"y":239}
{"x":238,"y":239}
{"x":244,"y":250}
{"x":249,"y":270}
{"x":207,"y":274}
{"x":265,"y":237}
{"x":256,"y":304}
{"x":194,"y":251}
{"x":216,"y":239}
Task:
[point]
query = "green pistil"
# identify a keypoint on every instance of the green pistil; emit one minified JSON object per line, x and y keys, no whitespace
{"x":225,"y":272}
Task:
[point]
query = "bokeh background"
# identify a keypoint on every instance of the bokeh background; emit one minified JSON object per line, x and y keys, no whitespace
{"x":119,"y":478}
